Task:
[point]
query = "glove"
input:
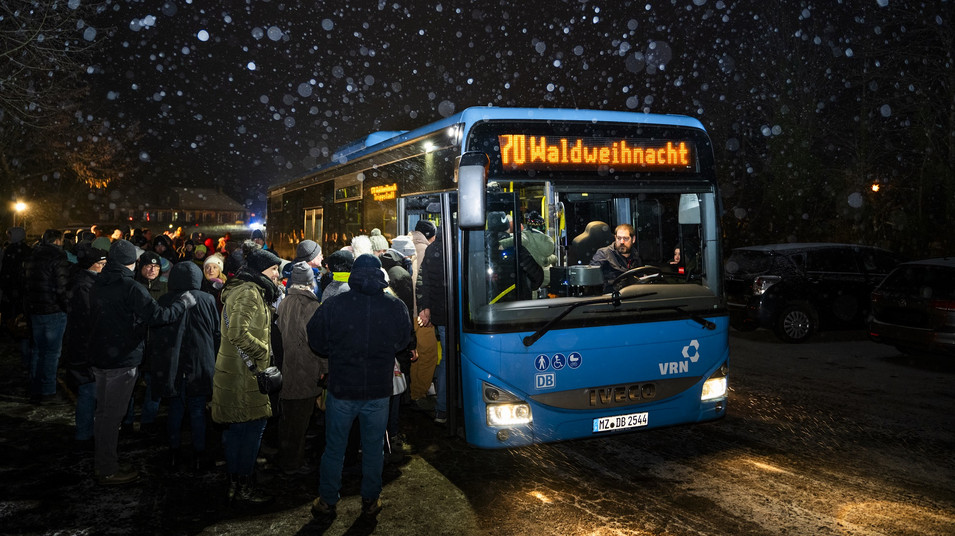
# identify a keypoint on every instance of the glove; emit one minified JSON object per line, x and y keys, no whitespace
{"x":187,"y":299}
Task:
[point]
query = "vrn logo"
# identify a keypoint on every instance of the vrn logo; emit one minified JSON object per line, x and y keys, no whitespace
{"x":690,"y":351}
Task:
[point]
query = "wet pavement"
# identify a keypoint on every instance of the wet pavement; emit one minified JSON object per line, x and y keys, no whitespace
{"x":48,"y":485}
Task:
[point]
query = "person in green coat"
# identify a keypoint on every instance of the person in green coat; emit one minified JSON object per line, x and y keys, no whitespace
{"x":236,"y":401}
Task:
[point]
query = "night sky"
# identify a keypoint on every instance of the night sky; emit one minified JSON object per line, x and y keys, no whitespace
{"x":243,"y":95}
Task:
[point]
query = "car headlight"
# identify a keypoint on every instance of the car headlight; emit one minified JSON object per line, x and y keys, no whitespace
{"x":762,"y":283}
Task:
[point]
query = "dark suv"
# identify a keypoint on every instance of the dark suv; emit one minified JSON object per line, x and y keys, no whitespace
{"x":914,"y":308}
{"x":797,"y":289}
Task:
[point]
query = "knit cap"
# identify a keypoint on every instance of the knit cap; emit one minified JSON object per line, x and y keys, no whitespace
{"x":426,"y":227}
{"x":216,"y":259}
{"x":261,"y":260}
{"x":302,"y":274}
{"x":366,"y":262}
{"x":378,"y":242}
{"x":150,"y":257}
{"x":340,"y":261}
{"x":122,"y":252}
{"x":307,"y":250}
{"x":404,"y":245}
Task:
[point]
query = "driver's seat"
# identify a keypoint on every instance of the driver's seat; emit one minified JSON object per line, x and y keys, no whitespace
{"x":596,"y":235}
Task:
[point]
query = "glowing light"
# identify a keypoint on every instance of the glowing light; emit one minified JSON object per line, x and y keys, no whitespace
{"x":541,"y":497}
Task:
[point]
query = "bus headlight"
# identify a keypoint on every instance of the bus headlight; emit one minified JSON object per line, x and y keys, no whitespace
{"x":714,"y":388}
{"x":508,"y":414}
{"x":504,"y":408}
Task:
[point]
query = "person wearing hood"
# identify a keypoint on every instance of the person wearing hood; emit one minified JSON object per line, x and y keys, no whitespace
{"x":339,"y":269}
{"x":45,"y":276}
{"x":79,"y":377}
{"x":162,"y":245}
{"x":301,"y":369}
{"x":360,"y":332}
{"x":183,"y":359}
{"x":246,"y":344}
{"x":122,"y":310}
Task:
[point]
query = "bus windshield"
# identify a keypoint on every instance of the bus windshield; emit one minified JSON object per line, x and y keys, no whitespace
{"x":517,"y":276}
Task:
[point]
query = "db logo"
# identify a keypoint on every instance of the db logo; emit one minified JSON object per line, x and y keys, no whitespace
{"x":691,"y":351}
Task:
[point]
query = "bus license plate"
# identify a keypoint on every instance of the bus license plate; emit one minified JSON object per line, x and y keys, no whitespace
{"x":620,"y":422}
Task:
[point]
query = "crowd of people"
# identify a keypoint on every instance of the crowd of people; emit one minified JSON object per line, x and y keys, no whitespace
{"x":190,"y":326}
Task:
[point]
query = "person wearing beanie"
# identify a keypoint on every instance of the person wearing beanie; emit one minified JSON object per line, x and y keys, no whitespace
{"x":121,"y":310}
{"x":339,"y":269}
{"x":213,"y":272}
{"x":199,"y":255}
{"x":422,"y":370}
{"x":89,"y":263}
{"x":361,"y":245}
{"x":301,"y":368}
{"x":164,"y":268}
{"x":359,"y":332}
{"x":148,"y":268}
{"x":46,"y":273}
{"x":309,"y":252}
{"x":404,"y":244}
{"x":427,"y":228}
{"x":183,"y":360}
{"x":378,"y":243}
{"x":245,"y":348}
{"x":102,"y":242}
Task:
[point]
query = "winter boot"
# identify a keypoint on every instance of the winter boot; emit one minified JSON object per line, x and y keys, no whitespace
{"x":246,"y":493}
{"x":233,"y":487}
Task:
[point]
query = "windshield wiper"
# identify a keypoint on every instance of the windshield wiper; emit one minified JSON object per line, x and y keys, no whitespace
{"x":680,"y":309}
{"x":615,"y":299}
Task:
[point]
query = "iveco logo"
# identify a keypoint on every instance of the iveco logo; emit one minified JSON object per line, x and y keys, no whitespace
{"x":616,"y":395}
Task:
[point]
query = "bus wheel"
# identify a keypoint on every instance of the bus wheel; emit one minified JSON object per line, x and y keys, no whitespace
{"x":796,"y":323}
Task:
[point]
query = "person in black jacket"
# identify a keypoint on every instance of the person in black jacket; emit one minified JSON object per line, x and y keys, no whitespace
{"x":359,"y":332}
{"x":431,"y":291}
{"x":46,"y":274}
{"x":182,"y":358}
{"x":122,"y":310}
{"x":79,"y":377}
{"x":11,"y":291}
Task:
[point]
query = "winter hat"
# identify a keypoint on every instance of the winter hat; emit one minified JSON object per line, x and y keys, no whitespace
{"x":404,"y":245}
{"x":165,"y":267}
{"x":150,"y":257}
{"x":102,"y":243}
{"x":340,"y":261}
{"x":307,"y":250}
{"x":87,"y":255}
{"x":164,"y":240}
{"x":360,"y":245}
{"x":200,"y":249}
{"x":261,"y":260}
{"x":378,"y":242}
{"x":210,"y":244}
{"x":426,"y":227}
{"x":122,"y":252}
{"x":366,"y":262}
{"x":216,"y":259}
{"x":17,"y":234}
{"x":258,"y":234}
{"x":302,"y":274}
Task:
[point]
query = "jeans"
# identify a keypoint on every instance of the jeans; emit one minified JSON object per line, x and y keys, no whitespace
{"x":47,"y":342}
{"x":372,"y":418}
{"x":196,"y":406}
{"x":113,"y":388}
{"x":440,"y":376}
{"x":85,"y":410}
{"x":150,"y":406}
{"x":240,"y":443}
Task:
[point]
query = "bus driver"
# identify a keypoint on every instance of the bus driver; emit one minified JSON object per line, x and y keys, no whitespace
{"x":618,"y":257}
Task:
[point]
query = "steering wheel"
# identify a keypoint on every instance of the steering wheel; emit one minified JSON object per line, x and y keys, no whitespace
{"x":641,"y":276}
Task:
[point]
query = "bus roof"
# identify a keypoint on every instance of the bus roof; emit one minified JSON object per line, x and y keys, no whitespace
{"x":377,"y":141}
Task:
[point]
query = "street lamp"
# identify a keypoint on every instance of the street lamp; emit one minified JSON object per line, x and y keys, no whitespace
{"x":18,"y":207}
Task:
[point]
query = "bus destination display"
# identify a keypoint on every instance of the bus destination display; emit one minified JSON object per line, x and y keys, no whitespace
{"x":523,"y":152}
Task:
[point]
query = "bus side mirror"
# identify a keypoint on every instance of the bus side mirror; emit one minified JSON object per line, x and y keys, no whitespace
{"x":472,"y":182}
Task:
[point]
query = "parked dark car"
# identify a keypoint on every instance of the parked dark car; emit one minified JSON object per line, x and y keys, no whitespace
{"x":798,"y":289}
{"x":914,"y":308}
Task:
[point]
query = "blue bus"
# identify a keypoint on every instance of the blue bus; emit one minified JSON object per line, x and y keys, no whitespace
{"x":583,"y":352}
